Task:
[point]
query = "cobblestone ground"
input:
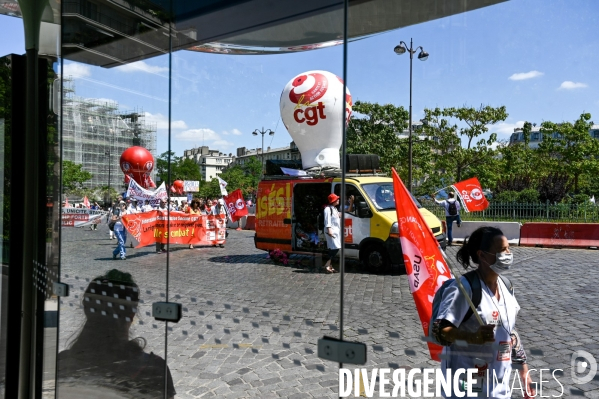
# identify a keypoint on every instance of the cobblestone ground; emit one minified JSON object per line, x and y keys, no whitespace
{"x":250,"y":327}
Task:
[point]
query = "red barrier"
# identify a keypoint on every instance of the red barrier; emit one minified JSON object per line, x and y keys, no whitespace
{"x":250,"y":223}
{"x":560,"y":235}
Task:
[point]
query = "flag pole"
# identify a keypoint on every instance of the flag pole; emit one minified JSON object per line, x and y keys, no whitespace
{"x":462,"y":289}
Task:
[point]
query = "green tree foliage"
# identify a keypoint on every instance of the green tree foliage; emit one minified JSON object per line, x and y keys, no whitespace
{"x":568,"y":147}
{"x":181,"y":168}
{"x":210,"y":189}
{"x":449,"y":127}
{"x":245,"y":177}
{"x":374,"y":128}
{"x":73,"y":176}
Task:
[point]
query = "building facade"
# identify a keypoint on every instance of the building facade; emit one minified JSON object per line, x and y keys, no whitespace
{"x":210,"y":162}
{"x":536,"y":137}
{"x":95,"y":133}
{"x":290,"y":152}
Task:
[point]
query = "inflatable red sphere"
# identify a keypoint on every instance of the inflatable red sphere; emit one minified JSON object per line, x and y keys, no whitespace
{"x":137,"y":164}
{"x":178,"y":186}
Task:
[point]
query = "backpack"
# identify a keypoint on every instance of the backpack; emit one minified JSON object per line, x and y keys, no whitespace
{"x":477,"y":293}
{"x":452,"y":209}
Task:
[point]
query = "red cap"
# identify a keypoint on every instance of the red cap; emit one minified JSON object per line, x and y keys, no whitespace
{"x":333,"y":198}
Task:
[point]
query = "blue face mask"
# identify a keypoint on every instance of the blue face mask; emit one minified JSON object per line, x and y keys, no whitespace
{"x":503,"y":262}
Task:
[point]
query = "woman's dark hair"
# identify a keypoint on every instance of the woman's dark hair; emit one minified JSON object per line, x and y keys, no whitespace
{"x":481,"y":239}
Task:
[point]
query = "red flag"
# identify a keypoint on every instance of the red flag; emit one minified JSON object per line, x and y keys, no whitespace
{"x":422,"y":256}
{"x":236,"y":205}
{"x":471,"y":194}
{"x":86,"y":202}
{"x":66,"y":203}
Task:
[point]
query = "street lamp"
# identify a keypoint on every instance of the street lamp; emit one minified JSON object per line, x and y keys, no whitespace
{"x":263,"y":132}
{"x":400,"y":49}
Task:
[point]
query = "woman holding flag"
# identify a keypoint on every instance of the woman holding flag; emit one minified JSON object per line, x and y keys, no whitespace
{"x":491,"y":348}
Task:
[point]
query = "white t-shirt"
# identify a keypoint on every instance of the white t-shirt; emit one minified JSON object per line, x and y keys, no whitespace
{"x":118,"y":226}
{"x":494,"y":357}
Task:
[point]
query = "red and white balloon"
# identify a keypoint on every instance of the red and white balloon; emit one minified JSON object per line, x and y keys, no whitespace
{"x":137,"y":164}
{"x":312,"y":106}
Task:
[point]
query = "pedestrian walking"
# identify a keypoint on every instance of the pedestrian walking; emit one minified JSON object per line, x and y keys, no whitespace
{"x":452,"y":213}
{"x":332,"y":226}
{"x":495,"y":347}
{"x":120,"y":233}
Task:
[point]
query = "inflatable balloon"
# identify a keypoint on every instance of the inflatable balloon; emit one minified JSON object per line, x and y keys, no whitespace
{"x":177,"y":187}
{"x":312,"y":110}
{"x":137,"y":164}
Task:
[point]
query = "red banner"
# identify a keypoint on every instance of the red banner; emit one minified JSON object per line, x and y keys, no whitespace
{"x":183,"y":228}
{"x":422,"y":256}
{"x":471,"y":194}
{"x":236,"y":205}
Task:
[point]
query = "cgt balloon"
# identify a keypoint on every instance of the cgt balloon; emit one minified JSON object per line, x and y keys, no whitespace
{"x":177,"y":187}
{"x":312,"y":105}
{"x":137,"y":164}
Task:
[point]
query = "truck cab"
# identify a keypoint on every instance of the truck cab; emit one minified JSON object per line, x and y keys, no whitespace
{"x":289,"y":213}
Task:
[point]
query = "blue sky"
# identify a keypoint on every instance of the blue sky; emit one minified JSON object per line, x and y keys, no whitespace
{"x":537,"y":58}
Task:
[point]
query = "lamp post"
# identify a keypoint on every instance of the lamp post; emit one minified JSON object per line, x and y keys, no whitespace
{"x":401,"y":48}
{"x":263,"y":132}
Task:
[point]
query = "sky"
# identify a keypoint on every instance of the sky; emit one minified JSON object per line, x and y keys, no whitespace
{"x":537,"y":58}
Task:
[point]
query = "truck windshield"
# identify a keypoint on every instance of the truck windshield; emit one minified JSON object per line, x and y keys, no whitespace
{"x":382,"y":196}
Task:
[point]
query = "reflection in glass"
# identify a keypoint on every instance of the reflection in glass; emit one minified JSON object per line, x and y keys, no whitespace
{"x":102,"y":355}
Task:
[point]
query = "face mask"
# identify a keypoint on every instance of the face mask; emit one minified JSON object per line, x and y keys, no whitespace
{"x":503,"y":262}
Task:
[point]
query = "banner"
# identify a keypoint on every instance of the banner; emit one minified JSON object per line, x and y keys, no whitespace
{"x":236,"y":205}
{"x":80,"y":217}
{"x":135,"y":191}
{"x":471,"y":194}
{"x":191,"y":186}
{"x":422,"y":256}
{"x":184,"y":228}
{"x":223,"y":186}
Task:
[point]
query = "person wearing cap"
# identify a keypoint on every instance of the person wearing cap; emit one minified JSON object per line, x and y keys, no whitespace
{"x":332,"y":229}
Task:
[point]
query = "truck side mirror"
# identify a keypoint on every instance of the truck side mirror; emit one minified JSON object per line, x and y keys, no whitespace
{"x":363,"y":210}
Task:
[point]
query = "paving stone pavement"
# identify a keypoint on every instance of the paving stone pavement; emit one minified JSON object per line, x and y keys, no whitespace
{"x":250,"y":327}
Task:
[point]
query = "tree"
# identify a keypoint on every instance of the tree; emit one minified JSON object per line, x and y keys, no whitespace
{"x":569,"y":147}
{"x":181,"y":168}
{"x":187,"y":169}
{"x":253,"y":170}
{"x":210,"y":189}
{"x":374,"y":128}
{"x":477,"y":158}
{"x":73,"y":176}
{"x":163,"y":163}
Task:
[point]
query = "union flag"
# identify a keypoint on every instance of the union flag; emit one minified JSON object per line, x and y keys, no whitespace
{"x":471,"y":194}
{"x":235,"y":205}
{"x":425,"y":265}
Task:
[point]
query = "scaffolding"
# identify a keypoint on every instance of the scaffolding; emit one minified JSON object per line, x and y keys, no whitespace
{"x":95,"y":134}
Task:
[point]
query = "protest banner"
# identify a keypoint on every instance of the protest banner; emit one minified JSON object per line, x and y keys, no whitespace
{"x":80,"y":217}
{"x":191,"y":186}
{"x":135,"y":191}
{"x":178,"y":227}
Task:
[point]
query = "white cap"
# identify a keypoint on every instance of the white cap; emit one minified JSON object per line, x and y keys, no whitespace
{"x":221,"y":201}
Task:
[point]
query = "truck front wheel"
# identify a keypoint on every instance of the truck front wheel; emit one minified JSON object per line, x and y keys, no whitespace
{"x":375,"y":258}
